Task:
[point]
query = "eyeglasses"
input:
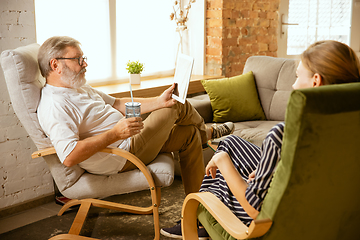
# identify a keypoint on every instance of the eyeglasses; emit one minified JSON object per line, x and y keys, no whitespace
{"x":80,"y":59}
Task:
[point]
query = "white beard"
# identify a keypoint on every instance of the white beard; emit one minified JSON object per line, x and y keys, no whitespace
{"x":72,"y":79}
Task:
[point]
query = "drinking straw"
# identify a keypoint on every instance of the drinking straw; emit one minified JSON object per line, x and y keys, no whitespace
{"x":132,"y":100}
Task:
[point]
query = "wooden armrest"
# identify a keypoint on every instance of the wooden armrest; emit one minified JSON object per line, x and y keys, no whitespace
{"x":117,"y":151}
{"x":44,"y":152}
{"x":222,"y":214}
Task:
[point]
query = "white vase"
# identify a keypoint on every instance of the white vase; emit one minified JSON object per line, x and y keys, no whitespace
{"x":134,"y":78}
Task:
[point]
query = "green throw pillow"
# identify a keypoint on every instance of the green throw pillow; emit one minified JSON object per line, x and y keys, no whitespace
{"x":234,"y":99}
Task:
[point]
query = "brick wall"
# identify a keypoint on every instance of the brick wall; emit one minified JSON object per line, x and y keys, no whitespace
{"x":22,"y":179}
{"x":236,"y":30}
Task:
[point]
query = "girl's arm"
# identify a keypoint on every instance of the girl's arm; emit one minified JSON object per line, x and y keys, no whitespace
{"x":236,"y":183}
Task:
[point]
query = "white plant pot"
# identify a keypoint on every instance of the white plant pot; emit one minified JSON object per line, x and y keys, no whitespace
{"x":134,"y":78}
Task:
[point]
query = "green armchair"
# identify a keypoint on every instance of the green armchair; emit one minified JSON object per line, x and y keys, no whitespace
{"x":315,"y":192}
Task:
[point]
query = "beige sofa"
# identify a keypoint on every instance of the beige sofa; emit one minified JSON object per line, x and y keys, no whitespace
{"x":273,"y":78}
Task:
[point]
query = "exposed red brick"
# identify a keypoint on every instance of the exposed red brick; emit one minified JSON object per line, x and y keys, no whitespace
{"x":214,"y":13}
{"x":214,"y":59}
{"x":251,"y":22}
{"x":263,"y":14}
{"x":241,"y":22}
{"x":229,"y":4}
{"x":235,"y":14}
{"x":262,"y":6}
{"x":253,"y":14}
{"x":237,"y":68}
{"x":229,"y":23}
{"x":248,"y":40}
{"x":262,"y":22}
{"x":255,"y":48}
{"x":213,"y":51}
{"x":214,"y":23}
{"x":274,"y":5}
{"x":274,"y":23}
{"x":273,"y":47}
{"x":215,"y":42}
{"x":263,"y":47}
{"x":243,"y":5}
{"x":214,"y":4}
{"x":271,"y":54}
{"x":263,"y":31}
{"x":235,"y":32}
{"x":244,"y":31}
{"x":214,"y":32}
{"x":229,"y":42}
{"x":265,"y":39}
{"x":245,"y":28}
{"x":272,"y":31}
{"x":245,"y":13}
{"x":272,"y":15}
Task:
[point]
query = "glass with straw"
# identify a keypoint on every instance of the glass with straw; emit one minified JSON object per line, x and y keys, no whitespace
{"x":132,"y":109}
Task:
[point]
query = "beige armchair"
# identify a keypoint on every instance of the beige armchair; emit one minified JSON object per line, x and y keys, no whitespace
{"x":24,"y":84}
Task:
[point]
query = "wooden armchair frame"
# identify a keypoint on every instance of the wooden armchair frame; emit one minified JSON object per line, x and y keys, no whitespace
{"x":222,"y":214}
{"x":85,"y":204}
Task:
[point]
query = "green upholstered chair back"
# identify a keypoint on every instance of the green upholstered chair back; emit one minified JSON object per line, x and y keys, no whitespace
{"x":315,"y":193}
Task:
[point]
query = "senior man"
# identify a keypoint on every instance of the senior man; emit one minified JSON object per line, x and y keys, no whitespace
{"x":80,"y":120}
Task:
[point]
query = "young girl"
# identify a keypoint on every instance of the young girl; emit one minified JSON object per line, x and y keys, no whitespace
{"x":240,"y":173}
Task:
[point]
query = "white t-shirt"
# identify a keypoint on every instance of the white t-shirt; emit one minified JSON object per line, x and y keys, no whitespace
{"x":68,"y":115}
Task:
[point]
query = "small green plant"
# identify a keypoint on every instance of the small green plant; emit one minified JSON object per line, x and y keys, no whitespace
{"x":134,"y":67}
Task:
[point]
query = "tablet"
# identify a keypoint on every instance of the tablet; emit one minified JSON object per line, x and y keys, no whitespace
{"x":184,"y":66}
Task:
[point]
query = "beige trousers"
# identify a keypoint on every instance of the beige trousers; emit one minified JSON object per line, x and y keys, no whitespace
{"x":179,"y":128}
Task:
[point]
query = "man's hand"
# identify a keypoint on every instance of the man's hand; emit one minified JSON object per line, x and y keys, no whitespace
{"x":128,"y":127}
{"x":87,"y":147}
{"x":165,"y":100}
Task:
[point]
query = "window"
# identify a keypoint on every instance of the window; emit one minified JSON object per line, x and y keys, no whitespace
{"x":90,"y":25}
{"x":112,"y":32}
{"x":317,"y":20}
{"x":303,"y":22}
{"x":146,"y":34}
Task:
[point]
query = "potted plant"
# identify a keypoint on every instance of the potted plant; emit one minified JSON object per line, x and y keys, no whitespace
{"x":135,"y":69}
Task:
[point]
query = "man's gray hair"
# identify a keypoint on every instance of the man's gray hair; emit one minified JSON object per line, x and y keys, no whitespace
{"x":54,"y":47}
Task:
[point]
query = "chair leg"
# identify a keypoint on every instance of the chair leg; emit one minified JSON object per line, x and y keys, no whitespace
{"x":71,"y":237}
{"x":156,"y":222}
{"x":85,"y":205}
{"x":156,"y":213}
{"x":158,"y":195}
{"x":80,"y":218}
{"x":69,"y":204}
{"x":189,"y":218}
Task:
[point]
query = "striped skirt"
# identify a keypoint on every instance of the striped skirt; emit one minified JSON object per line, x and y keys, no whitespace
{"x":245,"y":157}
